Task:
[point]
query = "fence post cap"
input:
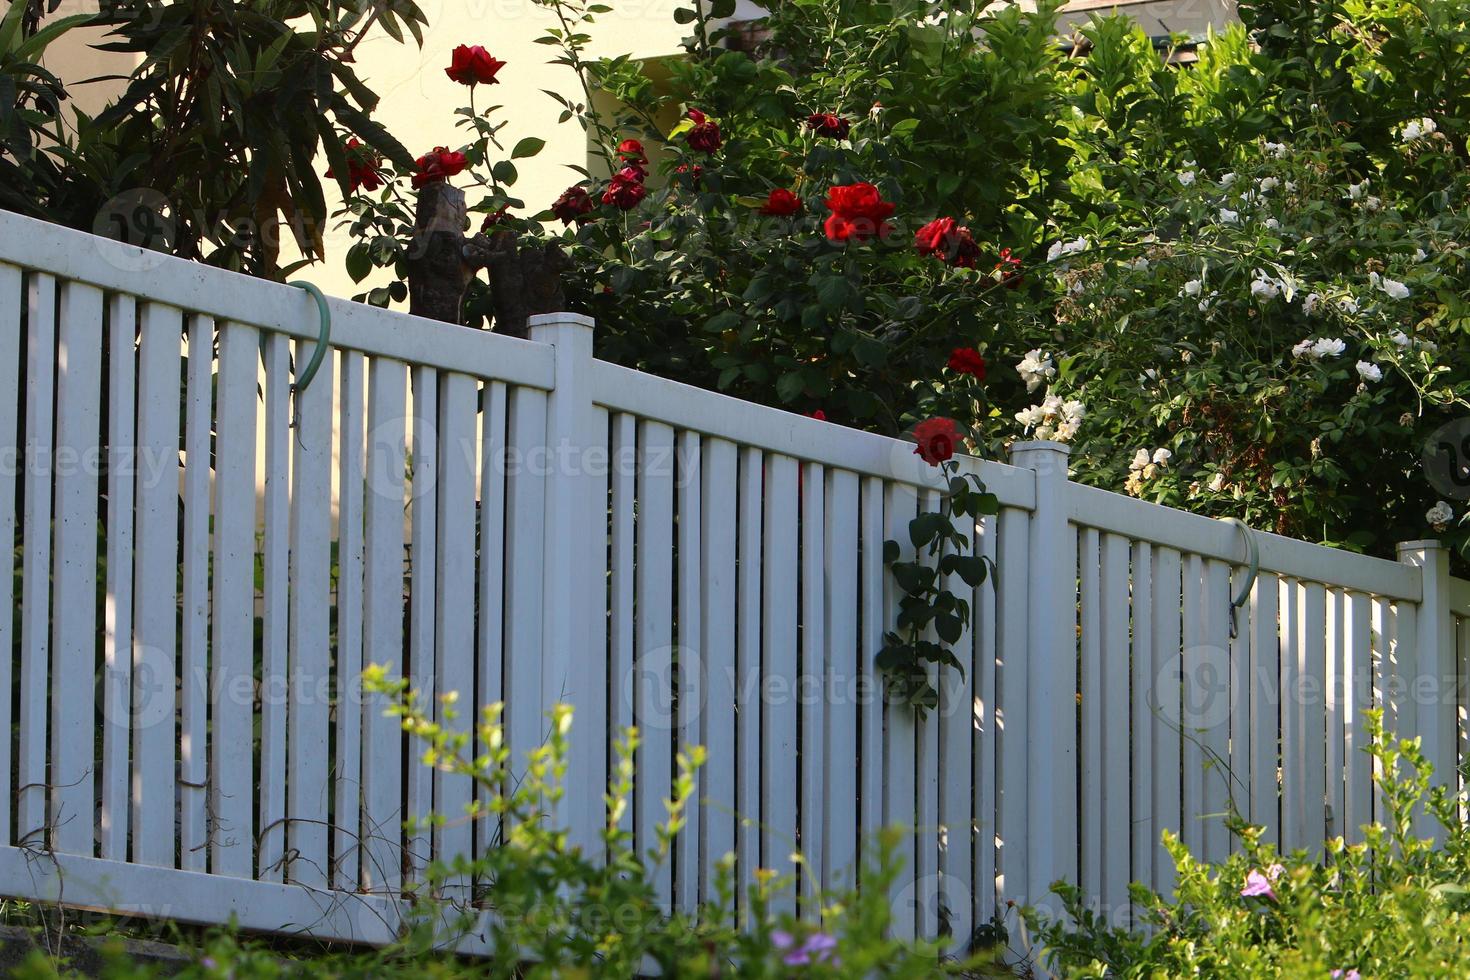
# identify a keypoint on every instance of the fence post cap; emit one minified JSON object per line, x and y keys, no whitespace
{"x":1035,"y":445}
{"x":1428,"y":544}
{"x":560,"y":319}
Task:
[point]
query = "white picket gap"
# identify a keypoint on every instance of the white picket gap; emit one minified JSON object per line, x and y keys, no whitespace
{"x":532,"y":525}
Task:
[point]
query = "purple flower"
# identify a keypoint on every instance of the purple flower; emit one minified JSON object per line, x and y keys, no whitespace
{"x":1256,"y":886}
{"x":1349,"y":974}
{"x":817,"y":948}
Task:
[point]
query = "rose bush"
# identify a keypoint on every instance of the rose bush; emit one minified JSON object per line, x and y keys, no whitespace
{"x":1277,"y":327}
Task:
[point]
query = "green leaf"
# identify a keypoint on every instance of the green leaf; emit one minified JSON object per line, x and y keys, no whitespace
{"x":528,"y":147}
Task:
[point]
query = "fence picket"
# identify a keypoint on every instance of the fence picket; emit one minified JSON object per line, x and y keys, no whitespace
{"x":275,"y":543}
{"x":35,"y":634}
{"x":779,"y":608}
{"x":423,"y":515}
{"x":692,"y":664}
{"x":955,"y":764}
{"x":1115,"y":793}
{"x":310,"y":658}
{"x":12,"y":297}
{"x":719,"y":472}
{"x":117,"y":639}
{"x":194,"y":785}
{"x":1195,"y":663}
{"x":231,"y":666}
{"x":985,"y":736}
{"x":1357,"y":671}
{"x":74,"y":572}
{"x":1215,"y":693}
{"x":155,"y":651}
{"x":1293,"y":720}
{"x":748,"y":710}
{"x":454,"y":652}
{"x":872,"y":578}
{"x":899,"y":777}
{"x":347,"y":707}
{"x":490,"y":645}
{"x":1266,"y":699}
{"x":653,"y":707}
{"x":380,"y":830}
{"x":1168,"y":711}
{"x":621,"y":583}
{"x":840,"y":689}
{"x":1142,"y":774}
{"x":809,"y":701}
{"x":1093,"y":711}
{"x":1011,"y":722}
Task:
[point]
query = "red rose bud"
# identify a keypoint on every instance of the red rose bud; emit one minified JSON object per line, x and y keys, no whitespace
{"x":946,"y":239}
{"x":473,"y":66}
{"x":1009,"y":269}
{"x":858,"y":213}
{"x":819,"y":415}
{"x":496,"y":218}
{"x":441,"y":164}
{"x":625,"y":189}
{"x":781,"y":203}
{"x":632,"y":151}
{"x":575,"y":204}
{"x":967,"y":360}
{"x":828,"y":124}
{"x":364,"y":167}
{"x":705,"y":136}
{"x":936,"y":440}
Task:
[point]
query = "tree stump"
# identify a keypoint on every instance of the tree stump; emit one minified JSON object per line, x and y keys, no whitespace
{"x":525,"y":278}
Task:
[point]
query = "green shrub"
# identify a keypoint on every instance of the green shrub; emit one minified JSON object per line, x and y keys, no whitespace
{"x":1396,"y":905}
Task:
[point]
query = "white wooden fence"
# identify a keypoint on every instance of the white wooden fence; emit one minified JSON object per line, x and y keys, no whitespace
{"x":207,"y":558}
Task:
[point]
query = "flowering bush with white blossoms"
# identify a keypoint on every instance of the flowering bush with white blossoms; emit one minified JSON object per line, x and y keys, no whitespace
{"x":1284,"y":320}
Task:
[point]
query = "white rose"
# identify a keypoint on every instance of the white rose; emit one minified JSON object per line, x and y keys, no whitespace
{"x":1162,"y":456}
{"x":1329,"y":347}
{"x":1303,"y":348}
{"x":1193,"y":287}
{"x":1273,"y":224}
{"x":1268,"y":184}
{"x":1277,"y":150}
{"x":1227,"y":179}
{"x":1140,"y":460}
{"x":1186,"y":178}
{"x":1229,"y":217}
{"x":1440,"y":514}
{"x":1309,"y":304}
{"x":1264,"y":287}
{"x":1390,"y":287}
{"x":1369,"y":371}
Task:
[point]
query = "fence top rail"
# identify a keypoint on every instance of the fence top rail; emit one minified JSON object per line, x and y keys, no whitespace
{"x":683,"y":406}
{"x":79,"y":257}
{"x":1332,"y":567}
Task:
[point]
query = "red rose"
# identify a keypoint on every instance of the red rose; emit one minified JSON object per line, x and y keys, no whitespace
{"x":575,"y":204}
{"x":819,"y":415}
{"x":936,"y":440}
{"x":858,"y":213}
{"x":946,"y":239}
{"x":632,"y":151}
{"x":967,"y":360}
{"x":781,"y":203}
{"x":625,"y":189}
{"x":473,"y":66}
{"x":439,"y":165}
{"x":1009,"y":268}
{"x":705,"y":136}
{"x":828,"y":124}
{"x":363,"y":167}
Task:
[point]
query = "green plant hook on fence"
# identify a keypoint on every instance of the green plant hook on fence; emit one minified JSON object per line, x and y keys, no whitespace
{"x":1253,"y":560}
{"x":324,"y":335}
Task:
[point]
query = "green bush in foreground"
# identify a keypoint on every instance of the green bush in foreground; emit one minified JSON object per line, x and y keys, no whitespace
{"x":1393,"y":906}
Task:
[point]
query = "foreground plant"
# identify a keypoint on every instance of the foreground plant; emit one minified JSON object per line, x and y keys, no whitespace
{"x":1395,"y":905}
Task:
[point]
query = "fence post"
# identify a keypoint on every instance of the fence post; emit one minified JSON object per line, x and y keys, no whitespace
{"x":572,"y":582}
{"x":1051,"y":675}
{"x":1430,"y":672}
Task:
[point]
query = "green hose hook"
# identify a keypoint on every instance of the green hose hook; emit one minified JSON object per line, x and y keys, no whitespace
{"x":324,"y":335}
{"x":1253,"y":560}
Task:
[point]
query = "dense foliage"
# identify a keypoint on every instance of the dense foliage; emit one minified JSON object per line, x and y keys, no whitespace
{"x":211,"y":150}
